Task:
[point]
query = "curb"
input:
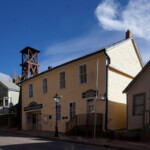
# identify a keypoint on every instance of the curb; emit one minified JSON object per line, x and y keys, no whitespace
{"x":70,"y":141}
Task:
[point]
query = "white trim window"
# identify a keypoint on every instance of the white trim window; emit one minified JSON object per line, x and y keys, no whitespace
{"x":72,"y":110}
{"x":62,"y":80}
{"x":58,"y":113}
{"x":44,"y":86}
{"x":1,"y":102}
{"x":6,"y":102}
{"x":83,"y":74}
{"x":30,"y":90}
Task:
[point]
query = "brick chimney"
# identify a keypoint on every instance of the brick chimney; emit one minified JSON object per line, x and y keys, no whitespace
{"x":50,"y":67}
{"x":14,"y":80}
{"x":128,"y":34}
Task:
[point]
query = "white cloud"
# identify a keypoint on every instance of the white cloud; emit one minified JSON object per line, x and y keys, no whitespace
{"x":111,"y":16}
{"x":73,"y":45}
{"x":135,"y":16}
{"x":71,"y":49}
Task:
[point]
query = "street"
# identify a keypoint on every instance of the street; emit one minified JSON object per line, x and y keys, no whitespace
{"x":12,"y":141}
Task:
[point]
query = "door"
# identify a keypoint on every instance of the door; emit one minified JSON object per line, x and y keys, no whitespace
{"x":72,"y":110}
{"x":90,"y":106}
{"x":34,"y":122}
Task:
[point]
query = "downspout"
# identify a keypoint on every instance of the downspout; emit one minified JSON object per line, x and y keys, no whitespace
{"x":106,"y":90}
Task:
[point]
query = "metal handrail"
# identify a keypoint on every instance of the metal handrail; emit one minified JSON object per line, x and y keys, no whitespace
{"x":84,"y":120}
{"x":147,"y":117}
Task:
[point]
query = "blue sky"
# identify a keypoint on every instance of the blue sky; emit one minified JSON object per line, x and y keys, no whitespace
{"x":66,"y":29}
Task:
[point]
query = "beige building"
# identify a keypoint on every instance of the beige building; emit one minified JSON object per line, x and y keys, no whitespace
{"x":138,"y":101}
{"x":98,"y":77}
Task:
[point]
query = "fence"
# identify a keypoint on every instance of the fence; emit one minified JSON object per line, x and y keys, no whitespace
{"x":8,"y":120}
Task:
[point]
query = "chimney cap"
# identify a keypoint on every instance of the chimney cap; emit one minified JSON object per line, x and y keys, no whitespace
{"x":128,"y":34}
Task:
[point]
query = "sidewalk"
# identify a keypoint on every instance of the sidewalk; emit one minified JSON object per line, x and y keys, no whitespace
{"x":117,"y":144}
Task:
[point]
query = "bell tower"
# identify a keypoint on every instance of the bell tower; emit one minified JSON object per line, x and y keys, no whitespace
{"x":30,"y":63}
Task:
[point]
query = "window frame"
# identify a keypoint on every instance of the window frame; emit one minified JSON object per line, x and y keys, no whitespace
{"x":63,"y":80}
{"x":60,"y":112}
{"x":6,"y":99}
{"x":80,"y":74}
{"x":29,"y":90}
{"x":43,"y":85}
{"x":135,"y":105}
{"x":2,"y":103}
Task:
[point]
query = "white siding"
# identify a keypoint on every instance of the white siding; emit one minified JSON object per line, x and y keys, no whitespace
{"x":14,"y":97}
{"x":124,"y":57}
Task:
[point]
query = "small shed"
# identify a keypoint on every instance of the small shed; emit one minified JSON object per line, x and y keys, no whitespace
{"x":138,"y":101}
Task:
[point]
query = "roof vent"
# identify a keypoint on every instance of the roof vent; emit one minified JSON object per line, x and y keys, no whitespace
{"x":128,"y":34}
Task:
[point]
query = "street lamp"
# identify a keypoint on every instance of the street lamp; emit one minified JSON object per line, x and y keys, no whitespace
{"x":56,"y":99}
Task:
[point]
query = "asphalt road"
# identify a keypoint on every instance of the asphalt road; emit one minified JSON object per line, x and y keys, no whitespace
{"x":12,"y":141}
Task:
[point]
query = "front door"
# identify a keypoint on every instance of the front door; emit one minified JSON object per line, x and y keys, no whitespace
{"x":90,"y":106}
{"x":34,"y":122}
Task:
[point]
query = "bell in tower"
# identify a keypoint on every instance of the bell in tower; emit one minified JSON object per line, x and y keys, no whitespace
{"x":30,"y":64}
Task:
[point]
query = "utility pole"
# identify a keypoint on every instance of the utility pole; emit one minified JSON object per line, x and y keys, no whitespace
{"x":95,"y":100}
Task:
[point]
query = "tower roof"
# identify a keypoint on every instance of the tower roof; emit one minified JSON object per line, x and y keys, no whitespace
{"x":25,"y":50}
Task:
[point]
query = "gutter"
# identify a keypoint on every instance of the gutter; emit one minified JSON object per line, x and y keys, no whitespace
{"x":106,"y":90}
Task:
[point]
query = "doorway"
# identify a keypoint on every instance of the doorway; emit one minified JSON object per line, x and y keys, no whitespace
{"x":34,"y":121}
{"x":90,"y":106}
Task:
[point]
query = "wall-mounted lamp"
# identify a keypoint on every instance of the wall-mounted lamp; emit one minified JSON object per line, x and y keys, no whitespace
{"x":102,"y":97}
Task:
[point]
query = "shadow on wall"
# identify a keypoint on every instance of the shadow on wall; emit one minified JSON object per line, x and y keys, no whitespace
{"x":117,"y":115}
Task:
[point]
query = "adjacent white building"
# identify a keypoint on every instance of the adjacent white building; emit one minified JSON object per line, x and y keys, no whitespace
{"x":9,"y":95}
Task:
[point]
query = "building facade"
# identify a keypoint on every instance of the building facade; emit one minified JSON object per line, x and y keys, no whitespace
{"x":9,"y":96}
{"x":138,"y":101}
{"x":98,"y":77}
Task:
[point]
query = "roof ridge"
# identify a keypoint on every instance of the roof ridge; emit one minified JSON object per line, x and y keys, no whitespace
{"x":137,"y":76}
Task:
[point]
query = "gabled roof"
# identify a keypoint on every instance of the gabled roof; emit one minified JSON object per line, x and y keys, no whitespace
{"x":102,"y":50}
{"x":123,"y":41}
{"x":137,"y":76}
{"x":10,"y":85}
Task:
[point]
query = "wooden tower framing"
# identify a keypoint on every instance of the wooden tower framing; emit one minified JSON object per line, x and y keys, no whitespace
{"x":30,"y":63}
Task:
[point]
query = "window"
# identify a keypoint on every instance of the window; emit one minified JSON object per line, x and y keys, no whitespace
{"x":72,"y":107}
{"x":45,"y":86}
{"x":58,"y":113}
{"x":1,"y":102}
{"x":83,"y":74}
{"x":138,"y":104}
{"x":62,"y":77}
{"x":6,"y":102}
{"x":30,"y":90}
{"x":27,"y":119}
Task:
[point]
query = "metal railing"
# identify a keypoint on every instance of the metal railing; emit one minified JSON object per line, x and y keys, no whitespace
{"x":147,"y":117}
{"x":84,"y":120}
